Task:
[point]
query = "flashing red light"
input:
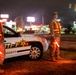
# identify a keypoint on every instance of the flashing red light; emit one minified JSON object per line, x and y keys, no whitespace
{"x":0,"y":52}
{"x":3,"y":20}
{"x":27,"y":44}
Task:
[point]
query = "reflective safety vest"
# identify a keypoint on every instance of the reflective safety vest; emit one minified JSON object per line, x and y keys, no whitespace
{"x":1,"y":32}
{"x":2,"y":48}
{"x":57,"y":27}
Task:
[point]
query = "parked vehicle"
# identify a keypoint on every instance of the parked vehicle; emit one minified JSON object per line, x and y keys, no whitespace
{"x":17,"y":44}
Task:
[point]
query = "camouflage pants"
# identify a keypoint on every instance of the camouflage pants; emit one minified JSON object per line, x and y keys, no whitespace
{"x":54,"y":49}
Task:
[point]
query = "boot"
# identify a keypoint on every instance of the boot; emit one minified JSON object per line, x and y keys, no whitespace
{"x":58,"y":58}
{"x":53,"y":59}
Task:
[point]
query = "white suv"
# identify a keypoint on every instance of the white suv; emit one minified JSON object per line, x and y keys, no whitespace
{"x":18,"y":45}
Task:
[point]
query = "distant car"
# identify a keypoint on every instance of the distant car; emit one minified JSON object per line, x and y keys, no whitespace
{"x":43,"y":32}
{"x":18,"y":45}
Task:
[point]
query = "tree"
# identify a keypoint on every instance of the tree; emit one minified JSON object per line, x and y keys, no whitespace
{"x":19,"y":22}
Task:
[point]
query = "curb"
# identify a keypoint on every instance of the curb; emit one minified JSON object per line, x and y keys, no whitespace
{"x":68,"y":49}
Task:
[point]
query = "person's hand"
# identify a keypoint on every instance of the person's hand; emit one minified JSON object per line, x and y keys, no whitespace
{"x":53,"y":38}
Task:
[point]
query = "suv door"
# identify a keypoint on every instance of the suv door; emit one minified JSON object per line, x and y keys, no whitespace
{"x":12,"y":41}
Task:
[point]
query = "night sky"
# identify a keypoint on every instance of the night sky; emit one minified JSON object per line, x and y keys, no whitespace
{"x":35,"y":8}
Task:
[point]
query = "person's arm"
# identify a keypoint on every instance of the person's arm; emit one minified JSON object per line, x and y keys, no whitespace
{"x":51,"y":26}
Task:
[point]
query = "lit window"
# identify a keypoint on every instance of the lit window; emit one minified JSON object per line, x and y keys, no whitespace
{"x":75,"y":7}
{"x":70,"y":6}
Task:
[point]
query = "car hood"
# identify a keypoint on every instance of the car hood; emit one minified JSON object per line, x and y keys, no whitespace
{"x":31,"y":37}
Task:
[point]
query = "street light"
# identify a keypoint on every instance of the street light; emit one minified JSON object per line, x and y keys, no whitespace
{"x":30,"y":19}
{"x":3,"y":17}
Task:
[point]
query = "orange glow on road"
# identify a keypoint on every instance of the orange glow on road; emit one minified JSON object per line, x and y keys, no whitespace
{"x":19,"y":71}
{"x":66,"y":61}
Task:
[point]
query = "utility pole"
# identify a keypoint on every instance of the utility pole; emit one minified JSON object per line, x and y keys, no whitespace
{"x":42,"y":18}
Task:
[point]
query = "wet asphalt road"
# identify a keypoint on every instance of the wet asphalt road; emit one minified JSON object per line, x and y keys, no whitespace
{"x":44,"y":66}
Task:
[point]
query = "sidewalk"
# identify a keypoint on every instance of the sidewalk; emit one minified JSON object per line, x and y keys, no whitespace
{"x":68,"y":45}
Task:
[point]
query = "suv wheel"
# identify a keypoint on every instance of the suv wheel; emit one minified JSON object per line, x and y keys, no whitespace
{"x":36,"y":52}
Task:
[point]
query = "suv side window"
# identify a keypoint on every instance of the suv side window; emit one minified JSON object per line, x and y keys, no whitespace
{"x":6,"y":31}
